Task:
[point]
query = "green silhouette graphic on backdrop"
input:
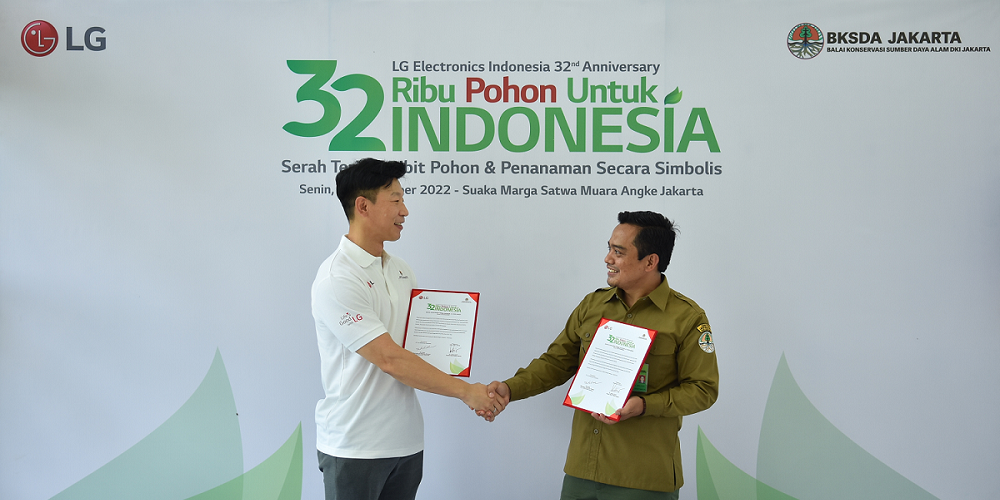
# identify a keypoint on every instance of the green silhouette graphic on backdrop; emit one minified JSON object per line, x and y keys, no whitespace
{"x":801,"y":455}
{"x":198,"y":454}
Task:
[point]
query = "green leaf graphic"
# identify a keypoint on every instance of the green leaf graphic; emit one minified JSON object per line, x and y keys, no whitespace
{"x":805,"y":455}
{"x":608,"y":409}
{"x":801,"y":454}
{"x":456,"y":368}
{"x":197,"y":453}
{"x":277,"y":478}
{"x":197,"y":448}
{"x":577,"y":399}
{"x":719,"y":479}
{"x":673,"y":97}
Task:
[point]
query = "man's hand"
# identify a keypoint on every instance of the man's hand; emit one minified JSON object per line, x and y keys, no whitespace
{"x":501,"y":393}
{"x":633,"y":408}
{"x":478,"y":398}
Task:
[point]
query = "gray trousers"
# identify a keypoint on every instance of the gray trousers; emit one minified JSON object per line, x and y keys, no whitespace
{"x":371,"y":479}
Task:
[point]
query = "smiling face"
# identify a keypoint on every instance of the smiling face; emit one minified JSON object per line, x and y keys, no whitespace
{"x":388,"y":212}
{"x":634,"y":276}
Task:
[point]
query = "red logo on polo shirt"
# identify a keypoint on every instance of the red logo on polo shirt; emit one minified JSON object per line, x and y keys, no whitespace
{"x":348,"y":318}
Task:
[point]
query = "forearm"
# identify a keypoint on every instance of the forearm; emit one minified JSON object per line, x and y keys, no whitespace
{"x":413,"y":371}
{"x":410,"y":369}
{"x":685,"y":399}
{"x":539,"y":376}
{"x":553,"y":368}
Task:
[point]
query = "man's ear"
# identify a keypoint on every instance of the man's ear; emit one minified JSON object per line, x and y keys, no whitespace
{"x":361,"y":205}
{"x":652,"y":262}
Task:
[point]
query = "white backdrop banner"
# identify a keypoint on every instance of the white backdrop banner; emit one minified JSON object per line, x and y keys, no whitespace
{"x":167,"y":192}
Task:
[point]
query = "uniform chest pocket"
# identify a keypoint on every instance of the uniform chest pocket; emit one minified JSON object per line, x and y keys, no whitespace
{"x":662,"y":361}
{"x":663,"y":346}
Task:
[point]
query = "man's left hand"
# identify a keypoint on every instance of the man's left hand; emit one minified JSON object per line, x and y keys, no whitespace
{"x":633,"y":408}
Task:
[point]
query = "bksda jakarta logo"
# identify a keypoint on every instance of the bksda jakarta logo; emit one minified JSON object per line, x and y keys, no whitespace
{"x":805,"y":41}
{"x":39,"y":38}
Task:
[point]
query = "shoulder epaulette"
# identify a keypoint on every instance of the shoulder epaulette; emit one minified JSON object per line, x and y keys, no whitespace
{"x":690,"y":302}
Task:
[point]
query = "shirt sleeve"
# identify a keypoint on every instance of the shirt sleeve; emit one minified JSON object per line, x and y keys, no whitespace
{"x":554,"y":367}
{"x":346,"y":309}
{"x":697,"y":385}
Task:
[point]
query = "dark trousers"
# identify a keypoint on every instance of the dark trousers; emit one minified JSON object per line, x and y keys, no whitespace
{"x":371,"y":479}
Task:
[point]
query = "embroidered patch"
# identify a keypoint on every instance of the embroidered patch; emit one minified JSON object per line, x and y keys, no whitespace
{"x":705,"y":340}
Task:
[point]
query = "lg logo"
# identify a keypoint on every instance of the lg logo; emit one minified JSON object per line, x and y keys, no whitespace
{"x":39,"y":38}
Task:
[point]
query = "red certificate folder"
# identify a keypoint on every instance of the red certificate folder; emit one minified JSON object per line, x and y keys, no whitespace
{"x":441,"y":328}
{"x":610,"y":368}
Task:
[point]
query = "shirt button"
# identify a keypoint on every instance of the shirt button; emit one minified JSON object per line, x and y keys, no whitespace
{"x":628,"y":315}
{"x":596,"y":431}
{"x":586,"y":335}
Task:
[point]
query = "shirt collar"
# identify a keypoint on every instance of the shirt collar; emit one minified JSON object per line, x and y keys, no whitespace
{"x":359,"y":255}
{"x":658,"y":296}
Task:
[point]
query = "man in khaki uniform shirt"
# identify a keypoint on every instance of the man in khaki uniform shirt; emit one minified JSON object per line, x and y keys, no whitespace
{"x":639,"y":457}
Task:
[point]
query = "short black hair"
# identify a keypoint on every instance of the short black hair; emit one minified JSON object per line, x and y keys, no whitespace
{"x":656,"y":235}
{"x":366,"y":177}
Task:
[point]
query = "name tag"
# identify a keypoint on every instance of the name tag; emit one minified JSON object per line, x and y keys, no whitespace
{"x":640,"y":383}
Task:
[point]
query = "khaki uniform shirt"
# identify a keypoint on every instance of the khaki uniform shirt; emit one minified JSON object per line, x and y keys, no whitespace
{"x":641,"y":452}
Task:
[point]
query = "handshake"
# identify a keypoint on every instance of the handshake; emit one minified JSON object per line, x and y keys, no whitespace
{"x":487,"y":400}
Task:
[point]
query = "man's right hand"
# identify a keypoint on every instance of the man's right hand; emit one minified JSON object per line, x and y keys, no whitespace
{"x":481,"y":400}
{"x":501,"y":393}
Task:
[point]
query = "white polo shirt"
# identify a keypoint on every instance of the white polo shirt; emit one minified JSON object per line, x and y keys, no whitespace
{"x":366,"y":413}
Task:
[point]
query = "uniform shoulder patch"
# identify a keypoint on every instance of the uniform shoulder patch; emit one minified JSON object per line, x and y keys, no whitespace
{"x":705,"y":339}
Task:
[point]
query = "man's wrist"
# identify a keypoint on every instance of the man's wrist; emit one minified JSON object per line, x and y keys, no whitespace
{"x":643,"y":412}
{"x":510,"y":392}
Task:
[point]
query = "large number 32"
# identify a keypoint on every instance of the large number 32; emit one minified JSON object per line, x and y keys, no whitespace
{"x":347,"y":139}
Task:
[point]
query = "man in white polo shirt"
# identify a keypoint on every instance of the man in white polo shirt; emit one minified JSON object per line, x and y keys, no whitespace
{"x":369,"y":427}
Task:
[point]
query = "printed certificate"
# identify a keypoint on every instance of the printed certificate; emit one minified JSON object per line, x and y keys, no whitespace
{"x":610,"y":368}
{"x":441,"y":327}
